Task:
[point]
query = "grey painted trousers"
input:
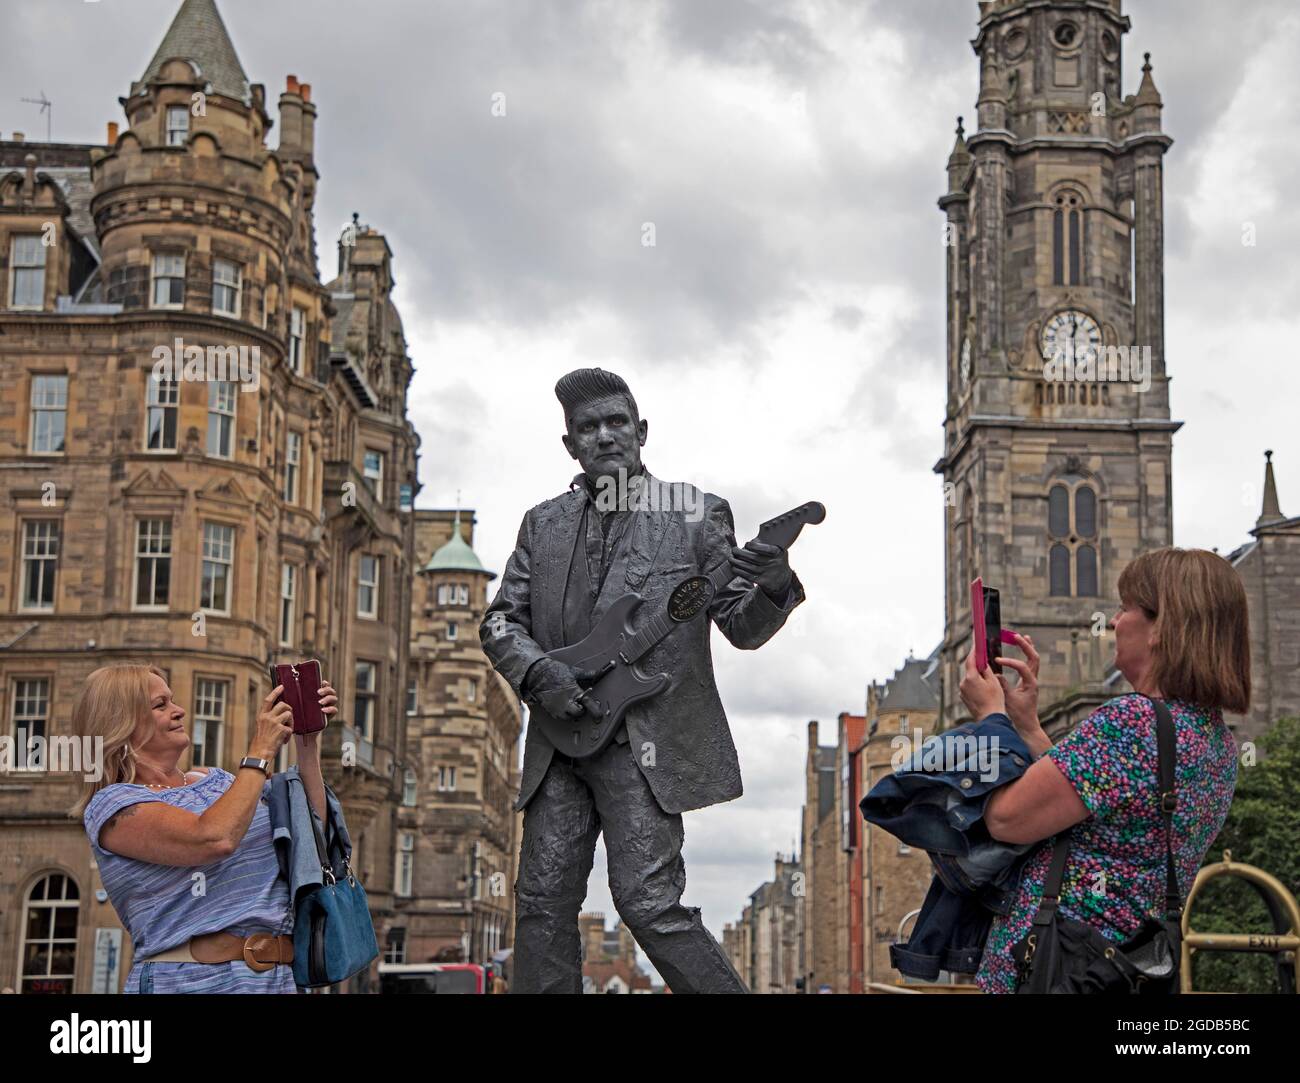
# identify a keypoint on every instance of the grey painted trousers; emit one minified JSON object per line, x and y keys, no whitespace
{"x":577,"y":800}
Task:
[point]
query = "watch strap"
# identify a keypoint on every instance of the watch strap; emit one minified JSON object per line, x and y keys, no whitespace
{"x":261,"y":765}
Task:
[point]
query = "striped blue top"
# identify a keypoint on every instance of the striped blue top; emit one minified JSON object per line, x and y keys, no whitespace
{"x":163,"y":906}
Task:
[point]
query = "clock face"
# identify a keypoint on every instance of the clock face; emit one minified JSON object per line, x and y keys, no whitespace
{"x":965,"y":361}
{"x":1070,"y":334}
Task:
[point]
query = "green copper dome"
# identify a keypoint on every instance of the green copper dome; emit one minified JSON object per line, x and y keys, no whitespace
{"x":457,"y":556}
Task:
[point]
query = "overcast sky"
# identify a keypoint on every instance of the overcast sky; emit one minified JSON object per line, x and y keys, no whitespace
{"x":784,"y":336}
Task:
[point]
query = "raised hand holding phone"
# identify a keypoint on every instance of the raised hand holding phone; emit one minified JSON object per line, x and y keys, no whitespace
{"x":304,"y":692}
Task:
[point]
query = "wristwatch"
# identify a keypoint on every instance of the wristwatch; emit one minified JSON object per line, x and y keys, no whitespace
{"x":262,"y":765}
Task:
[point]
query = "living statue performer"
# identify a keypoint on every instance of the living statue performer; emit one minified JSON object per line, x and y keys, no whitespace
{"x":619,"y":530}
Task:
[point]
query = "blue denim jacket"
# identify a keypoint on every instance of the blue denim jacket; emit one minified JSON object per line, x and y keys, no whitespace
{"x":935,"y":800}
{"x":292,"y":835}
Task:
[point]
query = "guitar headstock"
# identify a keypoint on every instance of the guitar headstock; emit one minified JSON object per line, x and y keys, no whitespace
{"x":785,"y":528}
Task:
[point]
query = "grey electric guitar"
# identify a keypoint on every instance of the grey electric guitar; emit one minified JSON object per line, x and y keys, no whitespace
{"x":606,"y":659}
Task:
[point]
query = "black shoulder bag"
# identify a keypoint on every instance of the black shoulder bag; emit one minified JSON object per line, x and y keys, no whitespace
{"x":1061,"y":955}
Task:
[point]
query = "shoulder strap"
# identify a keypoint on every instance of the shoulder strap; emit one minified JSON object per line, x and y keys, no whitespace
{"x":1060,"y":851}
{"x":1167,"y":751}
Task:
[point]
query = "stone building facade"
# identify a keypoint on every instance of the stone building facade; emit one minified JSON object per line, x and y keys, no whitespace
{"x":901,"y":712}
{"x":252,"y":508}
{"x":457,"y":833}
{"x":764,"y":945}
{"x":1269,"y":566}
{"x":609,"y":962}
{"x":822,"y":856}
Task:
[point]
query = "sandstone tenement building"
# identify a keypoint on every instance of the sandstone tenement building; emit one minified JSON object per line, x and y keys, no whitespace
{"x":211,"y":520}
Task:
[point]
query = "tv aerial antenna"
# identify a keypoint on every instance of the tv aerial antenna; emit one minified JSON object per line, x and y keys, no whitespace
{"x":47,"y":107}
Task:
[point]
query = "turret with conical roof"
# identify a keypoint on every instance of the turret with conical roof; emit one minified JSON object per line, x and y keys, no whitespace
{"x":198,"y":34}
{"x":457,"y":556}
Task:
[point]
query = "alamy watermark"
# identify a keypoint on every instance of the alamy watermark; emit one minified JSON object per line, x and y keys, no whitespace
{"x":640,"y":493}
{"x":955,"y":752}
{"x":1107,"y":364}
{"x":37,"y":754}
{"x":208,"y":364}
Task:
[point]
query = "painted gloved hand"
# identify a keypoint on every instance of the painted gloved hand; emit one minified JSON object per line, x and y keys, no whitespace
{"x":554,"y":687}
{"x":764,"y":564}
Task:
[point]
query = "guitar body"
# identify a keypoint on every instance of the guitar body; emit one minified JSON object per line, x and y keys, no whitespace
{"x":619,"y":686}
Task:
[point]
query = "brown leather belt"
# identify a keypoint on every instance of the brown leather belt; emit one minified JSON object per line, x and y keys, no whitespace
{"x":261,"y":951}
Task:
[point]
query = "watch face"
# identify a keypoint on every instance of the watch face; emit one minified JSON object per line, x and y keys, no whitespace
{"x":965,"y":361}
{"x":1070,"y":334}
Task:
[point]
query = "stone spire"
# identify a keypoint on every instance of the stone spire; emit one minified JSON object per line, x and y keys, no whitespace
{"x":958,"y":160}
{"x":1147,"y":104}
{"x":199,"y":35}
{"x":1271,"y":512}
{"x":1147,"y":93}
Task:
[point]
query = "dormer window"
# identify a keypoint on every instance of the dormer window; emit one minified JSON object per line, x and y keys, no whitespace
{"x":178,"y":125}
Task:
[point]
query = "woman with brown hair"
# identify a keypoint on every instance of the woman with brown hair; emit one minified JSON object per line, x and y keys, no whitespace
{"x":1181,"y":635}
{"x":186,"y":856}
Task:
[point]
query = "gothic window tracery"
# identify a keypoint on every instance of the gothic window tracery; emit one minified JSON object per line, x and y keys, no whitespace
{"x":1072,"y":539}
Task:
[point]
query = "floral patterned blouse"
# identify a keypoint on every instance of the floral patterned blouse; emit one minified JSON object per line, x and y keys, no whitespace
{"x":1115,"y":874}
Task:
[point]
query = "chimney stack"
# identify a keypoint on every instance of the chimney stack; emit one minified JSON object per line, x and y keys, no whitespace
{"x":291,"y":116}
{"x":308,"y":121}
{"x":18,"y":137}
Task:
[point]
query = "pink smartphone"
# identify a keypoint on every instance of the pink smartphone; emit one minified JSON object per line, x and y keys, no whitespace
{"x":986,"y":619}
{"x":977,"y":622}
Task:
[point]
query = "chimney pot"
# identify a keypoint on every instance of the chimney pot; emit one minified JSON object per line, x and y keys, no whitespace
{"x":291,"y":84}
{"x":306,"y":91}
{"x":112,"y":132}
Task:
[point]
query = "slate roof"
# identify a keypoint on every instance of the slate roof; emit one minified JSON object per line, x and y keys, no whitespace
{"x":199,"y":34}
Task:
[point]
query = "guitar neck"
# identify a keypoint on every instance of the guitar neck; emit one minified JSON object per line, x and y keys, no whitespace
{"x":657,"y":629}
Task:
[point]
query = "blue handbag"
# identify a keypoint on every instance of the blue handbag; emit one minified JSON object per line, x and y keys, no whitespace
{"x":333,"y":936}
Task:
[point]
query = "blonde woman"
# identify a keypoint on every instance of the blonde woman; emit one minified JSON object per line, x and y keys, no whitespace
{"x":186,"y":856}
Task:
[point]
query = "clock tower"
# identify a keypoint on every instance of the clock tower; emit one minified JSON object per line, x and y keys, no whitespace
{"x":1057,"y":435}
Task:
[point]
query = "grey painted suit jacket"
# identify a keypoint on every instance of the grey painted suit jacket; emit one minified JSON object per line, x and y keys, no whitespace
{"x":694,"y":758}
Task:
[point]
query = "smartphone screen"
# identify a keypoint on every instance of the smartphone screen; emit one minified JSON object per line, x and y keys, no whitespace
{"x":993,"y":627}
{"x":986,"y":621}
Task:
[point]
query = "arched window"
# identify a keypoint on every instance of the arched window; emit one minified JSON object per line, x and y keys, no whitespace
{"x":1067,"y":239}
{"x":1085,"y":512}
{"x":1086,"y":571}
{"x":1058,"y":511}
{"x":49,"y":935}
{"x":1059,"y":561}
{"x":1071,"y":533}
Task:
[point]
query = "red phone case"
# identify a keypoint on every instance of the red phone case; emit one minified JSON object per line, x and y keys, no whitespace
{"x":301,"y":681}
